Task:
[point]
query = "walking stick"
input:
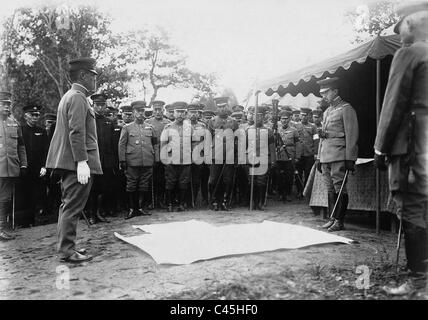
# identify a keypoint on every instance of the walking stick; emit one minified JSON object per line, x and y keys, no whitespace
{"x":191,"y":186}
{"x":86,"y":219}
{"x":398,"y":244}
{"x":340,"y":193}
{"x":13,"y":207}
{"x":153,"y":191}
{"x":233,"y":186}
{"x":267,"y":188}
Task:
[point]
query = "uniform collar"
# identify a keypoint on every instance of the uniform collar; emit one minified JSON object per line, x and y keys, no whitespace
{"x":80,"y":88}
{"x":336,"y":101}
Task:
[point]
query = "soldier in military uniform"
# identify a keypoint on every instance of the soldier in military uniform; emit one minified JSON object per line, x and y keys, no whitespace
{"x":205,"y":169}
{"x":402,"y":136}
{"x":221,"y":173}
{"x":137,"y":145}
{"x":101,"y":187}
{"x":158,"y":121}
{"x":36,"y":147}
{"x":207,"y":115}
{"x":287,"y":156}
{"x":260,"y":180}
{"x":308,"y":153}
{"x":338,"y":149}
{"x":127,"y":114}
{"x":317,"y":120}
{"x":13,"y":161}
{"x":169,"y":112}
{"x":177,"y":172}
{"x":73,"y":153}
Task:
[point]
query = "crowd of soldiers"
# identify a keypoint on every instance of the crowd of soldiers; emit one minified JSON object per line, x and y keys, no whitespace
{"x":136,"y":181}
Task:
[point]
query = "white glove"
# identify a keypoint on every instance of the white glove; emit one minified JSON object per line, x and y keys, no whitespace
{"x":83,"y":172}
{"x":42,"y":171}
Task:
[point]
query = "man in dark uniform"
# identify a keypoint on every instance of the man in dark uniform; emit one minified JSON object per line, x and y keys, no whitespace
{"x":13,"y":161}
{"x":338,"y":149}
{"x":177,"y":159}
{"x":198,"y":134}
{"x":101,"y":188}
{"x":137,"y":145}
{"x":287,"y":156}
{"x":402,"y":134}
{"x":221,"y":171}
{"x":74,"y":154}
{"x":308,"y":153}
{"x":260,"y":180}
{"x":36,"y":147}
{"x":158,"y":121}
{"x":205,"y":170}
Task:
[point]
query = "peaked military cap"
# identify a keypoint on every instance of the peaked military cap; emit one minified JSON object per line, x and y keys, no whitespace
{"x":5,"y":96}
{"x":208,"y":113}
{"x":305,"y":111}
{"x":237,"y":108}
{"x":285,"y":114}
{"x":179,"y":105}
{"x":194,"y":106}
{"x":168,"y":107}
{"x":250,"y":109}
{"x":138,"y":104}
{"x":158,"y":103}
{"x":407,"y":8}
{"x":221,"y":101}
{"x":328,"y":83}
{"x":50,"y":116}
{"x":317,"y":112}
{"x":125,"y":108}
{"x":31,"y":108}
{"x":295,"y":112}
{"x":237,"y":114}
{"x":84,"y":63}
{"x":99,"y":98}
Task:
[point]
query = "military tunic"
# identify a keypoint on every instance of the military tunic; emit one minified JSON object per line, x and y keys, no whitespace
{"x":137,"y":148}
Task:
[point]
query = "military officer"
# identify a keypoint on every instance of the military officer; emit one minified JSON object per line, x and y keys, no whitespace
{"x":402,"y":134}
{"x":198,"y":133}
{"x":338,"y":149}
{"x":307,"y":133}
{"x":127,"y":114}
{"x":238,"y":116}
{"x":221,"y":173}
{"x":178,"y":169}
{"x":74,"y":154}
{"x":13,"y":161}
{"x":207,"y":115}
{"x":102,"y":186}
{"x":317,"y":119}
{"x":260,"y":180}
{"x":137,"y":145}
{"x":36,"y":147}
{"x":158,"y":121}
{"x":288,"y":155}
{"x":169,"y":112}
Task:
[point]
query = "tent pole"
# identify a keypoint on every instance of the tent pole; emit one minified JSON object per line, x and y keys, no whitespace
{"x":377,"y":123}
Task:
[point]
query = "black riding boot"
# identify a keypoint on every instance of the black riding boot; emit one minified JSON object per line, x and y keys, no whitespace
{"x":182,"y":194}
{"x":4,"y":236}
{"x":415,"y":242}
{"x":100,"y":206}
{"x":168,"y":199}
{"x":145,"y":196}
{"x":132,"y":205}
{"x":331,"y":201}
{"x":340,"y":213}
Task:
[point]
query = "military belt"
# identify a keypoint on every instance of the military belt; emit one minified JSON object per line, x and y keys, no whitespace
{"x":330,"y":134}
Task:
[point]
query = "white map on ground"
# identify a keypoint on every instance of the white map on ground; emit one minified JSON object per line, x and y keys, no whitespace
{"x":189,"y":241}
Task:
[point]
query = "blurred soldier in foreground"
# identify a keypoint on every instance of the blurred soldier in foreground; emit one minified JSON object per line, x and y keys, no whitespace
{"x":13,"y":161}
{"x":158,"y":121}
{"x":73,"y":153}
{"x":137,"y":146}
{"x":36,"y":147}
{"x":338,"y":149}
{"x":402,"y":134}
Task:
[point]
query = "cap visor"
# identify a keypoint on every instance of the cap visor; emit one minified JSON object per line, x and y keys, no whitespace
{"x":93,"y":71}
{"x":324,"y":90}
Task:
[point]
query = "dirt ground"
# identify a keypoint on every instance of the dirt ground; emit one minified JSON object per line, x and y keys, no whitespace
{"x":29,"y":268}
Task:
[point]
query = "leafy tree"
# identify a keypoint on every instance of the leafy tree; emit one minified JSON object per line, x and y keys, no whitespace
{"x":372,"y":20}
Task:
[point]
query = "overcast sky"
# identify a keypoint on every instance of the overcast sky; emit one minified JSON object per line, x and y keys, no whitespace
{"x":239,"y":40}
